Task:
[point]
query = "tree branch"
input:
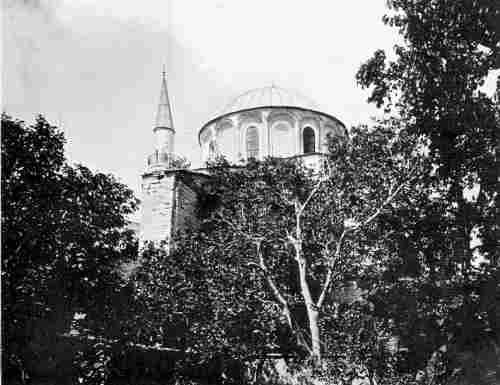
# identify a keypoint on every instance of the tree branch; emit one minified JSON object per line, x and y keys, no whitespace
{"x":310,"y":196}
{"x":393,"y":191}
{"x":236,"y":229}
{"x":331,"y":268}
{"x":274,"y":288}
{"x":286,"y":200}
{"x":262,"y":265}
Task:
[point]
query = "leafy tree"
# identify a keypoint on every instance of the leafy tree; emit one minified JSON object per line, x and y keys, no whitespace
{"x":450,"y":47}
{"x":433,"y":87}
{"x":63,"y":237}
{"x":278,"y":244}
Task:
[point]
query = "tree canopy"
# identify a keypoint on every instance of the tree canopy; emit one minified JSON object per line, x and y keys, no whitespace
{"x":276,"y":267}
{"x":409,"y":211}
{"x":433,"y":87}
{"x":64,"y":236}
{"x":382,"y":264}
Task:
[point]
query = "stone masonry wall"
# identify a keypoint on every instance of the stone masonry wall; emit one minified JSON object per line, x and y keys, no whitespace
{"x":157,"y":206}
{"x":169,"y":203}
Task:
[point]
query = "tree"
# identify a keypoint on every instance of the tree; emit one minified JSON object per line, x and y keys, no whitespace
{"x":63,"y":237}
{"x":278,"y":244}
{"x":433,"y":88}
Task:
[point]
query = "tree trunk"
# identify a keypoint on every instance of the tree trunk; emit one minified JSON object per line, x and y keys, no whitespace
{"x":312,"y":311}
{"x":314,"y":330}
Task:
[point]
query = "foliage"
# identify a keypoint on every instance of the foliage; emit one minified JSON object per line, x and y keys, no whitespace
{"x":433,"y":86}
{"x":63,"y":236}
{"x":383,"y":266}
{"x":452,"y":242}
{"x":274,"y":257}
{"x":428,"y":176}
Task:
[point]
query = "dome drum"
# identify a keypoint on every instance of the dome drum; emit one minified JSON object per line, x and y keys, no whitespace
{"x":279,"y":131}
{"x":260,"y":123}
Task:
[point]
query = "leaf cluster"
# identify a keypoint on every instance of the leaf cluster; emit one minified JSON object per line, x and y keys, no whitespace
{"x":64,"y":236}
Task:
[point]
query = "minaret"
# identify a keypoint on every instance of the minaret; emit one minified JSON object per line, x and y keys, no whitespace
{"x":164,"y":129}
{"x":163,"y":156}
{"x":166,"y":200}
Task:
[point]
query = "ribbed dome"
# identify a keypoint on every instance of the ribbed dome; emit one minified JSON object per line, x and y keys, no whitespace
{"x":268,"y":96}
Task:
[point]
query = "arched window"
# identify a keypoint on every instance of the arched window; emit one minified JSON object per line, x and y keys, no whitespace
{"x":252,"y":142}
{"x":309,"y":140}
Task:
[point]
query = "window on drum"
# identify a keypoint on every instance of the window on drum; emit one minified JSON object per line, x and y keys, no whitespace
{"x":309,"y":140}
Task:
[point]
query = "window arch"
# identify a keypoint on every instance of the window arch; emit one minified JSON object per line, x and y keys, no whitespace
{"x":252,"y":142}
{"x":309,"y":140}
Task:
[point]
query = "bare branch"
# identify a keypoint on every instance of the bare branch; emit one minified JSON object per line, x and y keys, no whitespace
{"x":378,"y":211}
{"x":310,"y":196}
{"x":286,"y":200}
{"x":393,"y":192}
{"x":331,"y":268}
{"x":274,"y":288}
{"x":243,"y":214}
{"x":235,"y":228}
{"x":291,"y":239}
{"x":297,"y":330}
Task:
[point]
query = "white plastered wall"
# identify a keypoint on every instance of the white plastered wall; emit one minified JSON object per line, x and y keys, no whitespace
{"x":229,"y":133}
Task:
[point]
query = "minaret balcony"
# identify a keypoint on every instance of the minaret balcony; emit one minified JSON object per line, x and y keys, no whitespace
{"x":161,"y":159}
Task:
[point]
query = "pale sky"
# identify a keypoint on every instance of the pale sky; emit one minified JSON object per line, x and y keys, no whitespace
{"x":94,"y":66}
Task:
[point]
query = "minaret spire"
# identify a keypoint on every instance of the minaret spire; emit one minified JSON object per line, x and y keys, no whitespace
{"x":164,"y":114}
{"x":164,"y":127}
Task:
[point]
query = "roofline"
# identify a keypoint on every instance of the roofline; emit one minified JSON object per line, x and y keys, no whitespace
{"x":175,"y":171}
{"x":272,"y":107}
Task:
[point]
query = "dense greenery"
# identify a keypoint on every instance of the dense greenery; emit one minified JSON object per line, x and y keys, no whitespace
{"x":63,"y":236}
{"x":433,"y":87}
{"x":274,"y":269}
{"x":426,"y":264}
{"x":384,"y":265}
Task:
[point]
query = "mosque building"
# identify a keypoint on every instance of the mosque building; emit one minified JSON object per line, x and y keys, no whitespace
{"x":260,"y":123}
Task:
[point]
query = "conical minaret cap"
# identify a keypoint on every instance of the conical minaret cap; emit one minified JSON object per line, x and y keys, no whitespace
{"x":164,"y":114}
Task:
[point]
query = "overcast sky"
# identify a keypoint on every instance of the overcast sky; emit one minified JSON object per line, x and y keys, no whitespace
{"x":94,"y":66}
